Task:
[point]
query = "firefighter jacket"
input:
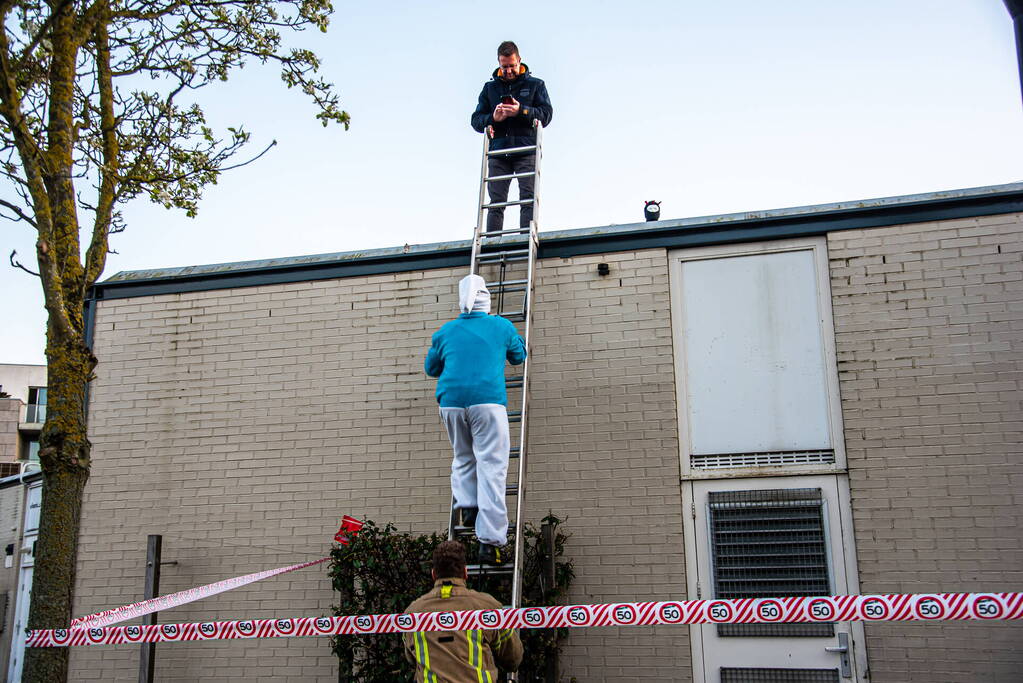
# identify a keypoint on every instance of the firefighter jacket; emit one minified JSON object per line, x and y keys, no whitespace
{"x":460,"y":656}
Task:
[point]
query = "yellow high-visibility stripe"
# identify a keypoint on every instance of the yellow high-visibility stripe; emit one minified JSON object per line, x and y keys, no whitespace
{"x":475,"y":638}
{"x":423,"y":657}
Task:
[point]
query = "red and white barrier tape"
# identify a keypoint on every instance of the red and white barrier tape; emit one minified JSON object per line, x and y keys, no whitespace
{"x":138,"y":609}
{"x":898,"y":607}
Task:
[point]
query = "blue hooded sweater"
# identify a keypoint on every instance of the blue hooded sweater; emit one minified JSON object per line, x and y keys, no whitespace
{"x":468,"y":355}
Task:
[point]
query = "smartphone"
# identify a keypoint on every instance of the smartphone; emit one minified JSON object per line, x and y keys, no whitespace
{"x":507,"y":99}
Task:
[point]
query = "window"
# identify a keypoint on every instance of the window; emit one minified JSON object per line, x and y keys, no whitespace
{"x":30,"y":450}
{"x":36,"y":411}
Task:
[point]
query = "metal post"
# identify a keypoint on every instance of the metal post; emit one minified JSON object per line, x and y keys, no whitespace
{"x":552,"y":671}
{"x":547,"y":538}
{"x":345,"y":584}
{"x":147,"y":656}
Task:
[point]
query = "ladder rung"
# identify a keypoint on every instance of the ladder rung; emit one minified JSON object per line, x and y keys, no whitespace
{"x":513,"y":202}
{"x":509,"y":288}
{"x":510,"y":150}
{"x":510,"y":176}
{"x":508,"y":254}
{"x":507,"y":568}
{"x":515,"y":316}
{"x":470,"y":530}
{"x":513,"y":382}
{"x":514,"y":452}
{"x":500,"y":284}
{"x":501,"y":233}
{"x":511,"y":490}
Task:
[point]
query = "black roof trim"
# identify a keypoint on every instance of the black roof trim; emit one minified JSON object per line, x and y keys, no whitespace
{"x":668,"y":234}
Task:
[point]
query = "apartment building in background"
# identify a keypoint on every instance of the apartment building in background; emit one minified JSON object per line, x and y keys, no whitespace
{"x":22,"y":413}
{"x":805,"y":401}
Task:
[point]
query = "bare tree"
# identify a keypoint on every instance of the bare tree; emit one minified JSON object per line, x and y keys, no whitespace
{"x":97,"y":108}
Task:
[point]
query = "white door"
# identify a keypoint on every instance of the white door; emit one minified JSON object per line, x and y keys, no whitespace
{"x":772,"y":537}
{"x":33,"y":504}
{"x":21,"y":614}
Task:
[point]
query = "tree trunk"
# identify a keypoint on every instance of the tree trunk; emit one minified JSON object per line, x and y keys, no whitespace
{"x":64,"y":455}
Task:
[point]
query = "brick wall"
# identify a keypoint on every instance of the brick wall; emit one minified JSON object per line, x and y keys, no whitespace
{"x":10,"y":411}
{"x":605,"y":450}
{"x":241,"y":424}
{"x":929,"y":323}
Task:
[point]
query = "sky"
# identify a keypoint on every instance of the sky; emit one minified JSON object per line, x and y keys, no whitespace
{"x":708,"y":107}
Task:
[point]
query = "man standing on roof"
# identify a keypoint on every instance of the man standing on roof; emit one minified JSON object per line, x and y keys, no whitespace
{"x":467,"y":356}
{"x":509,"y":103}
{"x":458,"y":656}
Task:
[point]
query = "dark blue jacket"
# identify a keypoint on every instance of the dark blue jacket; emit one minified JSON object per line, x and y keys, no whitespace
{"x":517,"y":131}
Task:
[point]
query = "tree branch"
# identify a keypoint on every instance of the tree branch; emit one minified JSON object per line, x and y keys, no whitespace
{"x":58,"y":246}
{"x":96,"y":255}
{"x":17,"y":264}
{"x":246,"y":163}
{"x":43,"y":30}
{"x":21,"y":214}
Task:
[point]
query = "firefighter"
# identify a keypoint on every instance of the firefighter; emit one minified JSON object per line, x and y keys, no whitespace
{"x":458,"y":656}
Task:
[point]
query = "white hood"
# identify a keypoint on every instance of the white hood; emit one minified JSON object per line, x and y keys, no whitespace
{"x":473,"y":295}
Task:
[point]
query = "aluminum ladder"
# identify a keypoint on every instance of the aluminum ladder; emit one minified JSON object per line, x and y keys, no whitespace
{"x":507,"y":261}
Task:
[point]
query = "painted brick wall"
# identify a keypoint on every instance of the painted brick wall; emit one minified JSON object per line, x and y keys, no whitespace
{"x":241,"y":424}
{"x":929,"y":327}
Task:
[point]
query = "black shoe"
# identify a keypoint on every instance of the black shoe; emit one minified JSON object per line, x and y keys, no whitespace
{"x":469,"y":516}
{"x":490,"y":554}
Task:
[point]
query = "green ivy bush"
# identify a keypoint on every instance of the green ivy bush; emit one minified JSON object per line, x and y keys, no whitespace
{"x":383,"y":570}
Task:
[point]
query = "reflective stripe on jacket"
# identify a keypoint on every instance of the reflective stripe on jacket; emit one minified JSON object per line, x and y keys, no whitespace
{"x":460,"y":656}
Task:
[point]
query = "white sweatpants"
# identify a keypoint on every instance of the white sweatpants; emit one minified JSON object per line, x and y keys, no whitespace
{"x":479,"y":471}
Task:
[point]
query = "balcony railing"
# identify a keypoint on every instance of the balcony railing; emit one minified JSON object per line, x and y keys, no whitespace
{"x":10,"y":469}
{"x":35,"y":412}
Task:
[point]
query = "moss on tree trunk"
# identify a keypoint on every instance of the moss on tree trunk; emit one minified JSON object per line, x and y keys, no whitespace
{"x":64,"y":455}
{"x":81,"y":134}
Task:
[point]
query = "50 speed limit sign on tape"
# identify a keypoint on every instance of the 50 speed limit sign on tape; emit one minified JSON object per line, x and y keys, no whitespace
{"x":893,"y":607}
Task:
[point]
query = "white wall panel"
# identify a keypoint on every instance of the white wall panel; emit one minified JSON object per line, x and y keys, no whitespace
{"x":755,"y":370}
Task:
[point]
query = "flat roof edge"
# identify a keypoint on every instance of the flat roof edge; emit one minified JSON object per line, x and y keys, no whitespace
{"x":672,"y":233}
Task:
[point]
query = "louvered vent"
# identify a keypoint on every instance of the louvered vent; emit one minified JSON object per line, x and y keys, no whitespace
{"x":721,"y":461}
{"x":734,"y":675}
{"x":769,"y":543}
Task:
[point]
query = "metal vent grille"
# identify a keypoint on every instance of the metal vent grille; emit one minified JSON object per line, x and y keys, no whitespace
{"x":722,"y":461}
{"x":769,"y":543}
{"x":733,"y":675}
